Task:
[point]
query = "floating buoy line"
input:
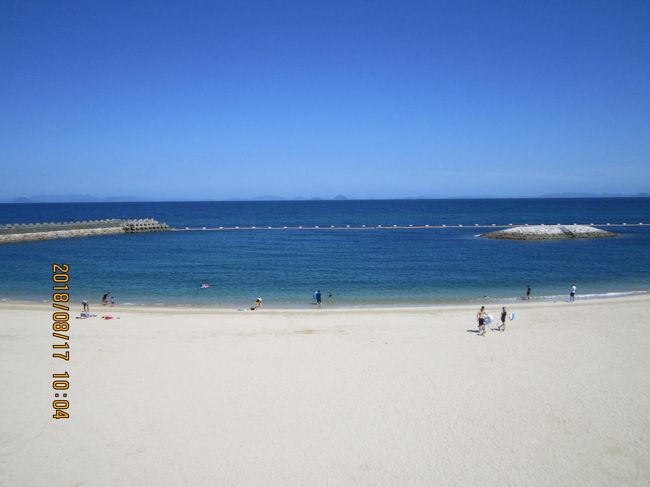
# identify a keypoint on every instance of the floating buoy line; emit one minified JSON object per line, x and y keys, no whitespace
{"x":389,"y":227}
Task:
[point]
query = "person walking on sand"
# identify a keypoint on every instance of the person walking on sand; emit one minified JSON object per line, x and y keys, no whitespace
{"x":480,"y":316}
{"x":528,"y":291}
{"x":572,"y":294}
{"x":86,"y":308}
{"x":504,"y":316}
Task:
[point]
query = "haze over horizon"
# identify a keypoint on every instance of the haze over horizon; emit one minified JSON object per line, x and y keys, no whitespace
{"x":232,"y":101}
{"x":83,"y":198}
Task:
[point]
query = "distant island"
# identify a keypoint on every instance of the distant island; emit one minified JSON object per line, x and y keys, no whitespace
{"x":593,"y":195}
{"x":71,"y":198}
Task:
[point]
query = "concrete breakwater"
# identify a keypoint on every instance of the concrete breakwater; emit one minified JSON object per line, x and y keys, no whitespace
{"x":549,"y":232}
{"x":24,"y":232}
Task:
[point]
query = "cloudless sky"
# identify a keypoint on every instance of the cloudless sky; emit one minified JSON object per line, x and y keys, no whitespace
{"x":217,"y":100}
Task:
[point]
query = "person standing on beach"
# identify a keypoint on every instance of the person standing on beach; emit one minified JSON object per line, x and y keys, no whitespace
{"x":504,"y":315}
{"x":480,"y":316}
{"x":112,"y":300}
{"x":86,"y":308}
{"x":528,"y":291}
{"x":319,"y":299}
{"x":105,"y":298}
{"x":572,"y":294}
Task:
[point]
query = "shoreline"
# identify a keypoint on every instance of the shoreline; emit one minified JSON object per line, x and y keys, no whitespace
{"x":632,"y":296}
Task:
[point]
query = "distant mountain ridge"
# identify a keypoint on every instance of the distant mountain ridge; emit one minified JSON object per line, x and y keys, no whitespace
{"x":71,"y":198}
{"x":594,"y":195}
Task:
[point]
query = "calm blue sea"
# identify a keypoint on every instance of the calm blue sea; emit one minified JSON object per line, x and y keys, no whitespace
{"x":359,"y":268}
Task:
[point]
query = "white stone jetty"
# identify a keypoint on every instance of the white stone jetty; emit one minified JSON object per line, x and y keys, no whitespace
{"x":549,"y":232}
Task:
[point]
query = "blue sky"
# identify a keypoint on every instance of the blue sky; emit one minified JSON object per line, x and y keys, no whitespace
{"x":218,"y":100}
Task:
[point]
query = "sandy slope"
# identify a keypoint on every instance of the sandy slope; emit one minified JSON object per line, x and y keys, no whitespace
{"x":309,"y":398}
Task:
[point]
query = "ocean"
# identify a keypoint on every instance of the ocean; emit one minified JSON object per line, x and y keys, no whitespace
{"x":357,"y":267}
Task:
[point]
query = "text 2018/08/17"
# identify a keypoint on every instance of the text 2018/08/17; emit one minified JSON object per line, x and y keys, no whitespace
{"x":60,"y":330}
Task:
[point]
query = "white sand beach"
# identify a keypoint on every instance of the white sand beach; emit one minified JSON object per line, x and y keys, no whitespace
{"x":390,"y":397}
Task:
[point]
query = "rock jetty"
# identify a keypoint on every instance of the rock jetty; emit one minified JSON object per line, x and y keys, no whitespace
{"x":549,"y":232}
{"x":24,"y":232}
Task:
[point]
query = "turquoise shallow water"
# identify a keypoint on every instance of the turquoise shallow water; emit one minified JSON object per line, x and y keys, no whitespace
{"x":359,"y":268}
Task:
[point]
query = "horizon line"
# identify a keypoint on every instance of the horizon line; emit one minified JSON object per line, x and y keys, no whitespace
{"x":317,"y":199}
